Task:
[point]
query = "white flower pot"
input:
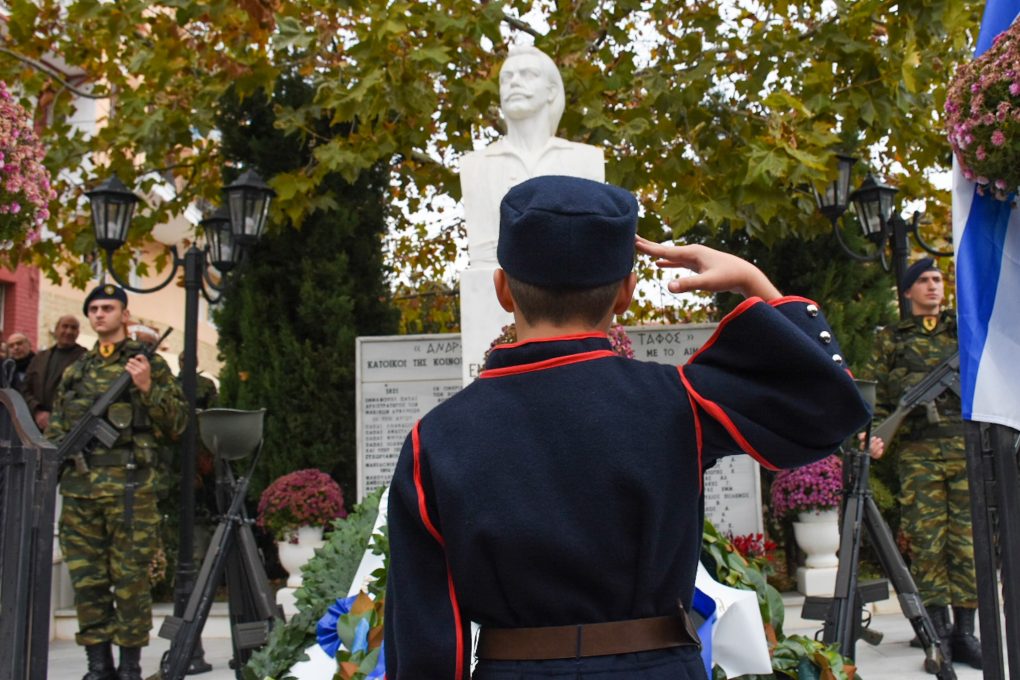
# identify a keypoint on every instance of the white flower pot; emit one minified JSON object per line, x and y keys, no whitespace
{"x":817,"y":534}
{"x":294,"y":556}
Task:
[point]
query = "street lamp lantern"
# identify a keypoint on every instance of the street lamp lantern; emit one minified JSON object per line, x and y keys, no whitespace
{"x":224,"y":253}
{"x":873,"y":203}
{"x":248,"y":198}
{"x":880,"y":223}
{"x":113,"y":206}
{"x":833,"y":201}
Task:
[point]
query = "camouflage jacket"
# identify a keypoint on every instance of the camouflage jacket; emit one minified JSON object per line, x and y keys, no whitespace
{"x":205,"y":391}
{"x":144,"y":420}
{"x":904,"y":353}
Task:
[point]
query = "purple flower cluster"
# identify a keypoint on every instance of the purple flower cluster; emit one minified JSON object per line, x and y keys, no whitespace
{"x":303,"y":498}
{"x":619,"y":341}
{"x":983,"y":116}
{"x":817,"y":486}
{"x":25,"y":190}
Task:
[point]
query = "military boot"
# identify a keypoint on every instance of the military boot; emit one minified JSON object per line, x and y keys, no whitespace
{"x":939,"y":615}
{"x":100,"y":657}
{"x":130,"y":667}
{"x":966,"y":647}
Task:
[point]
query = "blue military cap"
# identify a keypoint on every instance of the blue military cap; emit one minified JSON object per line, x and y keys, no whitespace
{"x":107,"y":291}
{"x":925,"y":264}
{"x":567,"y":232}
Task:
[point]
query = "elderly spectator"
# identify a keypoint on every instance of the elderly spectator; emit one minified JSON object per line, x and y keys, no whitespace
{"x":44,"y":371}
{"x":20,"y":349}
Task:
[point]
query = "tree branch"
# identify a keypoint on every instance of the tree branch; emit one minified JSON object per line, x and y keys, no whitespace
{"x":425,"y":159}
{"x":521,"y":26}
{"x":52,"y":73}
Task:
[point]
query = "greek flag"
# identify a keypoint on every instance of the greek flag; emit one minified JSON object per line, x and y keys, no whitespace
{"x":986,"y":234}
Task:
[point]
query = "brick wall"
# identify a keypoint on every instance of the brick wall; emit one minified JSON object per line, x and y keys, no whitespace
{"x":21,"y":303}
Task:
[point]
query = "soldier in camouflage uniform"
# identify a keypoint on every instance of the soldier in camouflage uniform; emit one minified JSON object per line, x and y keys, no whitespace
{"x":109,"y":522}
{"x":932,"y":465}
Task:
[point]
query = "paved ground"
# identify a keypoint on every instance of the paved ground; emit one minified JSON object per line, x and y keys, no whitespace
{"x":893,"y":659}
{"x":67,"y":660}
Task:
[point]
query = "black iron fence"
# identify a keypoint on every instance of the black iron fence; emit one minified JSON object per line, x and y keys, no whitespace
{"x":28,"y":488}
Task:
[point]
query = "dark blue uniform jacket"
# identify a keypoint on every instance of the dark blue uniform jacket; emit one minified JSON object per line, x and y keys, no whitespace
{"x":564,"y":485}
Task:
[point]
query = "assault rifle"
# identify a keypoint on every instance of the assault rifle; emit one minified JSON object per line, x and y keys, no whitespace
{"x":944,"y":376}
{"x":844,"y":618}
{"x":93,"y":427}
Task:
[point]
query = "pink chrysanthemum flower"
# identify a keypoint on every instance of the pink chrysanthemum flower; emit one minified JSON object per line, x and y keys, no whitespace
{"x":24,"y":181}
{"x":818,"y":486}
{"x":302,"y":498}
{"x":982,"y":119}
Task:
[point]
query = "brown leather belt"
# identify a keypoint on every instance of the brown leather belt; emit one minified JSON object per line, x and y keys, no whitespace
{"x":593,"y":639}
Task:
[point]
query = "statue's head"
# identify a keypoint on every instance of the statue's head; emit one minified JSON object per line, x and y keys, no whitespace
{"x":530,"y":85}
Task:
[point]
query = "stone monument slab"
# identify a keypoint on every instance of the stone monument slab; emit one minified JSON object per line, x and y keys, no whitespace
{"x":399,"y":379}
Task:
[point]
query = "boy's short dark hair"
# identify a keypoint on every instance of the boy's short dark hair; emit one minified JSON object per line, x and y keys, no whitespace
{"x":561,"y":306}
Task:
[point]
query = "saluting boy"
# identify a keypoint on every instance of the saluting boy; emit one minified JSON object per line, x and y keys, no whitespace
{"x":557,"y":500}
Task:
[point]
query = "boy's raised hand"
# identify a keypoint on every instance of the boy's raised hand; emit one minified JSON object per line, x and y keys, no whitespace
{"x":715,"y":271}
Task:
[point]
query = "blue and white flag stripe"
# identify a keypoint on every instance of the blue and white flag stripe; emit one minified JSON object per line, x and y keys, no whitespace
{"x":986,"y":234}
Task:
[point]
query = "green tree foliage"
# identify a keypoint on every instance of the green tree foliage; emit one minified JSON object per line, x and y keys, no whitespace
{"x":154,"y":73}
{"x":288,"y":325}
{"x":716,"y":112}
{"x":857,"y":299}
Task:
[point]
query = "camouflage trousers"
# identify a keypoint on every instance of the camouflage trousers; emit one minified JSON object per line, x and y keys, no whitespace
{"x":935,"y":506}
{"x":109,"y":565}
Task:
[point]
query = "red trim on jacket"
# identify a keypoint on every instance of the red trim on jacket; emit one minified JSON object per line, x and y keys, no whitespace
{"x":420,"y":488}
{"x":430,"y":527}
{"x":737,"y":311}
{"x":697,"y":436}
{"x":554,"y":338}
{"x":792,"y":298}
{"x":547,"y":363}
{"x":720,"y":416}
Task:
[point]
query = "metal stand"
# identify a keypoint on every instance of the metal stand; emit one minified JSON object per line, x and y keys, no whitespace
{"x":992,"y":467}
{"x":842,"y":612}
{"x":232,"y":552}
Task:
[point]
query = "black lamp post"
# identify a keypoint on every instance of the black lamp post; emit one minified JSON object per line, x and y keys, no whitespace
{"x":879,"y":222}
{"x":228,"y":232}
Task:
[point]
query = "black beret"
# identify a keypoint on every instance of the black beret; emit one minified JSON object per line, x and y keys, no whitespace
{"x":925,"y":264}
{"x":107,"y":291}
{"x":567,"y":232}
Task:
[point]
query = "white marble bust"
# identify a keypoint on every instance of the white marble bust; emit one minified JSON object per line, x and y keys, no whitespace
{"x":531,"y":100}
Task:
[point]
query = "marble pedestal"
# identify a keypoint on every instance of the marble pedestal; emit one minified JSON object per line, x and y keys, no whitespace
{"x":285,"y":598}
{"x":481,"y":318}
{"x":818,"y":581}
